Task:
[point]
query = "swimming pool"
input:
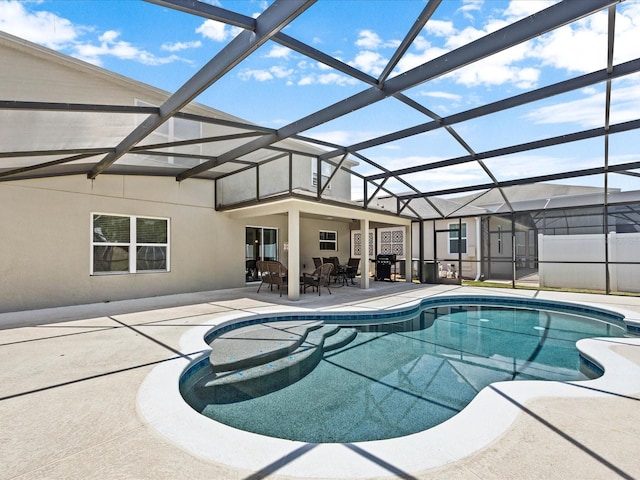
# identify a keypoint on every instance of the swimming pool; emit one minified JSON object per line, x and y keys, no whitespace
{"x":391,"y":374}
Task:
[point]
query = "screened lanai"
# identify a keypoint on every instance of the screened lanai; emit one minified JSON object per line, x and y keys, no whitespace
{"x":492,"y":127}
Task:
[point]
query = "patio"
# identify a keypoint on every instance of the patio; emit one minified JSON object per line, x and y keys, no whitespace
{"x":72,"y":376}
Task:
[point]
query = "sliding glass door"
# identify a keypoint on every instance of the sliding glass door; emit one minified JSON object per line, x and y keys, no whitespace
{"x":261,"y":244}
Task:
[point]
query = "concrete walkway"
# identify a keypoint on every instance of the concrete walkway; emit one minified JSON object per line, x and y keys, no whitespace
{"x":71,"y":380}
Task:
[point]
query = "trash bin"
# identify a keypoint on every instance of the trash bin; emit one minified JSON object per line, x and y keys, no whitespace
{"x":429,"y":272}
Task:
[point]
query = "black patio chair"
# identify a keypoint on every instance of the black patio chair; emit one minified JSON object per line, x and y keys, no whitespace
{"x":352,"y":269}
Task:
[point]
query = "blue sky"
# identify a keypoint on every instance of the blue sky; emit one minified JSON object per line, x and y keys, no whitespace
{"x":276,"y":86}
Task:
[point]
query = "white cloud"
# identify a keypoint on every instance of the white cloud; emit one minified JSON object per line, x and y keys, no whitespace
{"x":44,"y":28}
{"x":259,"y":75}
{"x":588,"y":112}
{"x":423,"y":51}
{"x":335,"y":79}
{"x":470,"y":6}
{"x":582,"y":47}
{"x":278,"y":51}
{"x":576,"y":48}
{"x":579,"y":47}
{"x":499,"y":69}
{"x":307,"y":74}
{"x":111,"y":46}
{"x":53,"y":31}
{"x":518,"y":9}
{"x":368,"y":39}
{"x":306,"y":80}
{"x":214,"y":30}
{"x":369,"y":62}
{"x":264,"y":75}
{"x":344,"y":137}
{"x":461,"y":38}
{"x":440,"y":28}
{"x":627,"y":45}
{"x":177,"y":46}
{"x":447,"y":96}
{"x":281,"y":72}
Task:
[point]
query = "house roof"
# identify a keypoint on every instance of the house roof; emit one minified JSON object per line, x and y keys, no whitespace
{"x":87,"y":129}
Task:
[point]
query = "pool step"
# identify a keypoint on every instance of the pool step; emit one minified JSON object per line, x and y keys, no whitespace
{"x":263,"y":377}
{"x":344,"y":336}
{"x":257,"y":344}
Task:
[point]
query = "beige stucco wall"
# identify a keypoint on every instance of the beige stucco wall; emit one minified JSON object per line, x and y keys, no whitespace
{"x":310,"y":243}
{"x":45,"y":259}
{"x":309,"y":238}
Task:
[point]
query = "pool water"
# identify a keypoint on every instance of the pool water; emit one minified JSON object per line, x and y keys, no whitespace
{"x":395,"y":379}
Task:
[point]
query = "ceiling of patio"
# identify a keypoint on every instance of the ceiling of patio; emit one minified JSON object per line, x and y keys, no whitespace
{"x":487,"y":168}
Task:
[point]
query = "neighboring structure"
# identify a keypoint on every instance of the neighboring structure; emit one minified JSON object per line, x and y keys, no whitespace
{"x":559,"y":236}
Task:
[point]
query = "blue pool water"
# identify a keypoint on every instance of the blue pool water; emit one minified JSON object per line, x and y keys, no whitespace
{"x":400,"y":377}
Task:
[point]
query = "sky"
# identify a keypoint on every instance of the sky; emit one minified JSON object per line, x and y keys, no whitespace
{"x":276,"y":86}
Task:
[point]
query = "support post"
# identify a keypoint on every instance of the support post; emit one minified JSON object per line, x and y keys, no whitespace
{"x":293,"y":283}
{"x":364,"y":256}
{"x":408,"y":268}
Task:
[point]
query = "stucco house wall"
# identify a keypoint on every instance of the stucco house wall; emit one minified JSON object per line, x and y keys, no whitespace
{"x":45,"y":259}
{"x":310,"y":241}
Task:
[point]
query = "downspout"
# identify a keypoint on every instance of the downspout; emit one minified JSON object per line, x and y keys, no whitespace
{"x":478,"y":248}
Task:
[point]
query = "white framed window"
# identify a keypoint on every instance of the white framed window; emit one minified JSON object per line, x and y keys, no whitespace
{"x":499,"y":238}
{"x":128,"y":244}
{"x":327,"y":170}
{"x":454,"y":247}
{"x":328,"y":240}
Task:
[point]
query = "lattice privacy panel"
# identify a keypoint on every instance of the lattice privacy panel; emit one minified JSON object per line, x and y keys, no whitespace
{"x":357,"y":244}
{"x":392,"y":242}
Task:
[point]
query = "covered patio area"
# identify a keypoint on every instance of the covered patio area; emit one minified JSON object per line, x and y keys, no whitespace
{"x":295,"y":208}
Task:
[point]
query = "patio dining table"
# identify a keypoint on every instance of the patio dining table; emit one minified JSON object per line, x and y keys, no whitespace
{"x":342,"y":275}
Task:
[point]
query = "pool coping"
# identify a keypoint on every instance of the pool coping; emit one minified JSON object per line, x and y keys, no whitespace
{"x":485,"y":418}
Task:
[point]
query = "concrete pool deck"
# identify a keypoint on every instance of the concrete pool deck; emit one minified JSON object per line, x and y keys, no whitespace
{"x":71,"y":382}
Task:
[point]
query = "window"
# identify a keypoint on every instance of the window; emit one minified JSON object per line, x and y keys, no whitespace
{"x":499,"y":238}
{"x":128,"y":244}
{"x":328,"y":240}
{"x":453,"y":238}
{"x":327,"y":170}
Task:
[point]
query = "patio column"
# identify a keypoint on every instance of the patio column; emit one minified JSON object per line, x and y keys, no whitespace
{"x":408,"y":267}
{"x":293,"y":258}
{"x":364,"y":254}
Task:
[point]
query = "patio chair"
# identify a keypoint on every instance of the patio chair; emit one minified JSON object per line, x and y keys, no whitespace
{"x":336,"y":264}
{"x":319,"y":278}
{"x":317,"y":261}
{"x":272,"y":273}
{"x":352,"y":268}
